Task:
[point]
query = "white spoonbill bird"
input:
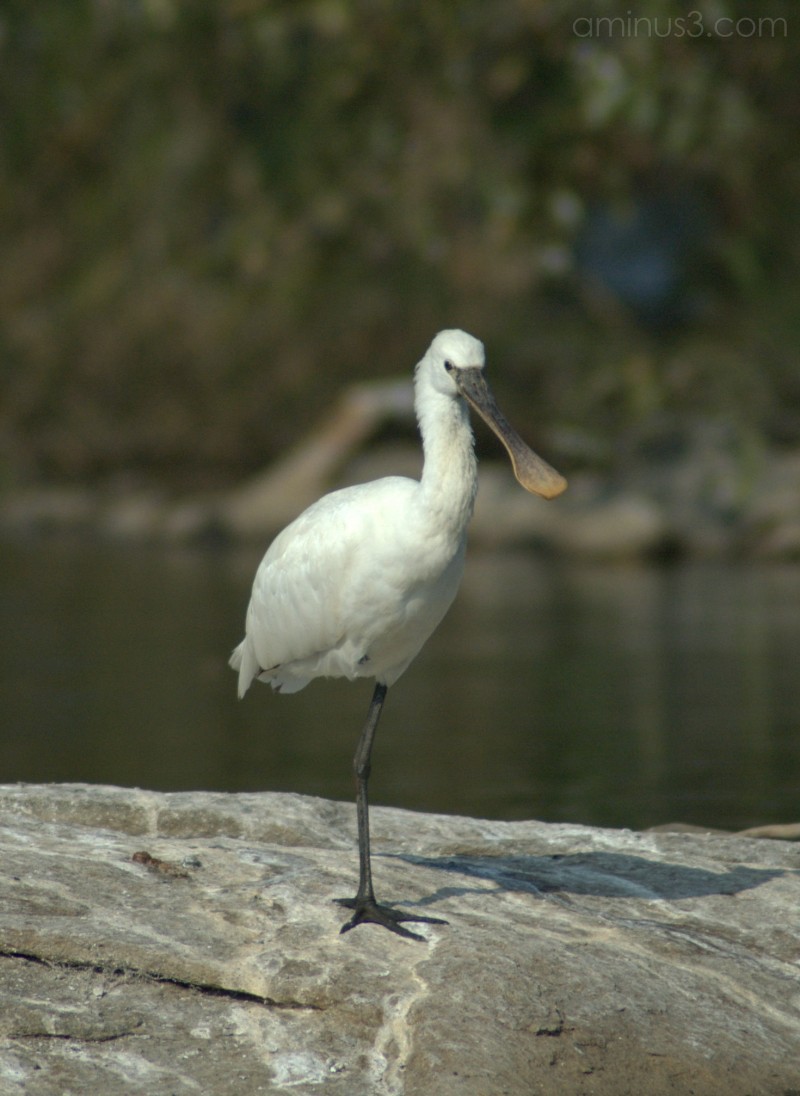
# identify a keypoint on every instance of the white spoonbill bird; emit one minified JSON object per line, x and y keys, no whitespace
{"x":356,"y":585}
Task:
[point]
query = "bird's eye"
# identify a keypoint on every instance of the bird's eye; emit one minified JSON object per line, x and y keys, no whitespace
{"x":449,"y":366}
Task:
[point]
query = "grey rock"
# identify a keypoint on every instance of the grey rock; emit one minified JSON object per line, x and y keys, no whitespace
{"x":599,"y":524}
{"x":134,"y":515}
{"x":170,"y":943}
{"x":267,"y":501}
{"x":47,"y":509}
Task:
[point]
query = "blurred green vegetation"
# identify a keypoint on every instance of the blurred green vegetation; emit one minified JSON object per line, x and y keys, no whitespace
{"x":216,"y":213}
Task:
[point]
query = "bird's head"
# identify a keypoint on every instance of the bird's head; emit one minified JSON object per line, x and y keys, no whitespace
{"x":454,"y":367}
{"x":450,"y":352}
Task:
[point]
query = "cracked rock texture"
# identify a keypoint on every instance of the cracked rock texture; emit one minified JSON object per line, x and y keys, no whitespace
{"x":187,"y":943}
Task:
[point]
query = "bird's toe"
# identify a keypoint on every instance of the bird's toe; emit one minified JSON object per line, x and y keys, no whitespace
{"x":375,"y":913}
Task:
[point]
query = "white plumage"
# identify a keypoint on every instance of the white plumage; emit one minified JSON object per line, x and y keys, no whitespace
{"x":342,"y":591}
{"x":356,"y":585}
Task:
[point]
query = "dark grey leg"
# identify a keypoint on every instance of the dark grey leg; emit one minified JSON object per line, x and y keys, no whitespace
{"x":366,"y":908}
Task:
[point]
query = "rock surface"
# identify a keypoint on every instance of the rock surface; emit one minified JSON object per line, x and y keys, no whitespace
{"x":187,"y":943}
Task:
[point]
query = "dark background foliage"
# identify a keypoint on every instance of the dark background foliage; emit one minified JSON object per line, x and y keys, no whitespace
{"x":214,"y":215}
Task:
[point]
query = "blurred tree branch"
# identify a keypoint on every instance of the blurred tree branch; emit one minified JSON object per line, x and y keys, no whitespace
{"x":216,"y":215}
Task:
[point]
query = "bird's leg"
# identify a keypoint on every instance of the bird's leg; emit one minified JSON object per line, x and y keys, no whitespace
{"x":366,"y":908}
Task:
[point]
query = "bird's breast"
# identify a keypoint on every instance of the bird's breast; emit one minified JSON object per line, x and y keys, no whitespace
{"x":354,"y":587}
{"x":417,"y":592}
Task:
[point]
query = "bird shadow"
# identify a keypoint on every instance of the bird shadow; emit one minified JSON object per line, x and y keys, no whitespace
{"x":597,"y":874}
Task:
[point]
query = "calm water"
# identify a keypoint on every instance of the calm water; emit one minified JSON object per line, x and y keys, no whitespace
{"x":608,"y":695}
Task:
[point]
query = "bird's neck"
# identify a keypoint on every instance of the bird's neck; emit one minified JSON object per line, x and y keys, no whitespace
{"x":450,"y":472}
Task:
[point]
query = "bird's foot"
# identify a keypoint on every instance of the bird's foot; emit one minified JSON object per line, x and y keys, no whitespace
{"x":368,"y":911}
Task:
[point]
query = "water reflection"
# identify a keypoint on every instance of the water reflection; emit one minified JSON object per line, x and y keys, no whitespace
{"x":609,"y":695}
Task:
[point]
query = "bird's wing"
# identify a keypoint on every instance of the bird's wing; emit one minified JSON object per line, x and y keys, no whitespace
{"x":306,"y":599}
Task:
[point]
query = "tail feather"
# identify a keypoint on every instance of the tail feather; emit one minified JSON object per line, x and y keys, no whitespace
{"x":243,"y":660}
